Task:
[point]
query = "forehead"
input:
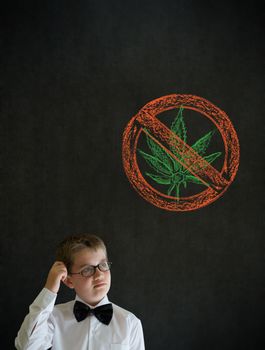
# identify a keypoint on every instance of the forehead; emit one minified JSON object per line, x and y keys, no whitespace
{"x":88,"y":256}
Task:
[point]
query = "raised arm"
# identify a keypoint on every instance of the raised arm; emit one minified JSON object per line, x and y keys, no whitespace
{"x":36,"y":331}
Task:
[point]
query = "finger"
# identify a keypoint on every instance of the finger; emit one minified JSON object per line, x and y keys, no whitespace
{"x":64,"y":277}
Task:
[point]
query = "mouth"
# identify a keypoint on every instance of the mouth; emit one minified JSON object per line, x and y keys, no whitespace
{"x":99,"y":285}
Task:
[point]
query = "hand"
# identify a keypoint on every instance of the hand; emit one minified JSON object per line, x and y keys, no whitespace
{"x":57,"y":273}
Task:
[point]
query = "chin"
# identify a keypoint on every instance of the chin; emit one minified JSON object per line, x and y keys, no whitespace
{"x":101,"y":291}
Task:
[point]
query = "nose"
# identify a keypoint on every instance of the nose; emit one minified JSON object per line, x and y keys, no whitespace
{"x":98,"y":273}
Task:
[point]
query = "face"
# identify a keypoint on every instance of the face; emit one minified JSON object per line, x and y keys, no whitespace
{"x":90,"y":289}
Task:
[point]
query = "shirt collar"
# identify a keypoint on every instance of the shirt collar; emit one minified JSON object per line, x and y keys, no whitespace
{"x":104,"y":301}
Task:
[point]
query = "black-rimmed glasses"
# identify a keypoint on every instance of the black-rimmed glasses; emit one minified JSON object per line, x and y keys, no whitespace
{"x":90,"y":270}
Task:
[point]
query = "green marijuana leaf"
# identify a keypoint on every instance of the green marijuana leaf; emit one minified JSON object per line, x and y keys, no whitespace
{"x":169,"y":171}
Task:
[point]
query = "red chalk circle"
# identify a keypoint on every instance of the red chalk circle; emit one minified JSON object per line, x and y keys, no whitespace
{"x":146,"y":118}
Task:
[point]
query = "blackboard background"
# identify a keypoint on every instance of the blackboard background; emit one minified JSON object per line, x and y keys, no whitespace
{"x":74,"y":73}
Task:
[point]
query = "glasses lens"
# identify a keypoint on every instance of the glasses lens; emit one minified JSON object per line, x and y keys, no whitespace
{"x":88,"y":271}
{"x":105,"y":266}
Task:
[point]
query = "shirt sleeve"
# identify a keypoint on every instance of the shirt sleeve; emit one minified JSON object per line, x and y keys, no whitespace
{"x":36,"y":331}
{"x":137,"y":336}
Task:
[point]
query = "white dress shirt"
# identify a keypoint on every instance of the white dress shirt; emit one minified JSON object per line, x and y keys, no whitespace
{"x":54,"y":326}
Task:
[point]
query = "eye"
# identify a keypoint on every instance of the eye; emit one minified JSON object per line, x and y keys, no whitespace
{"x":104,"y":266}
{"x":87,"y":271}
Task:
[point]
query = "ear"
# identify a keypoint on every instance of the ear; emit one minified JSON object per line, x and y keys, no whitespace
{"x":68,"y":282}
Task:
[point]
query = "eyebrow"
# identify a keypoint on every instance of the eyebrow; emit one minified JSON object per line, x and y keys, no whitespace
{"x":84,"y":265}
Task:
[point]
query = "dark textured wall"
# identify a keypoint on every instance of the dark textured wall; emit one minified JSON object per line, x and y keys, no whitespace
{"x":73,"y":75}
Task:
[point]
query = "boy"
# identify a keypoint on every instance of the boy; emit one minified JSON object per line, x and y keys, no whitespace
{"x":88,"y":322}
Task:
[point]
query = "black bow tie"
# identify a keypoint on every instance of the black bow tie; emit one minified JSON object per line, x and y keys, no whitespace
{"x":103,"y":313}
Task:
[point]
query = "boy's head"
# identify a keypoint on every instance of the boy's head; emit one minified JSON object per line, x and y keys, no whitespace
{"x":71,"y":245}
{"x":85,"y":257}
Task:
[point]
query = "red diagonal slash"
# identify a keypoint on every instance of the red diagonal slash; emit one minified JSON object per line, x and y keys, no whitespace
{"x":190,"y":159}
